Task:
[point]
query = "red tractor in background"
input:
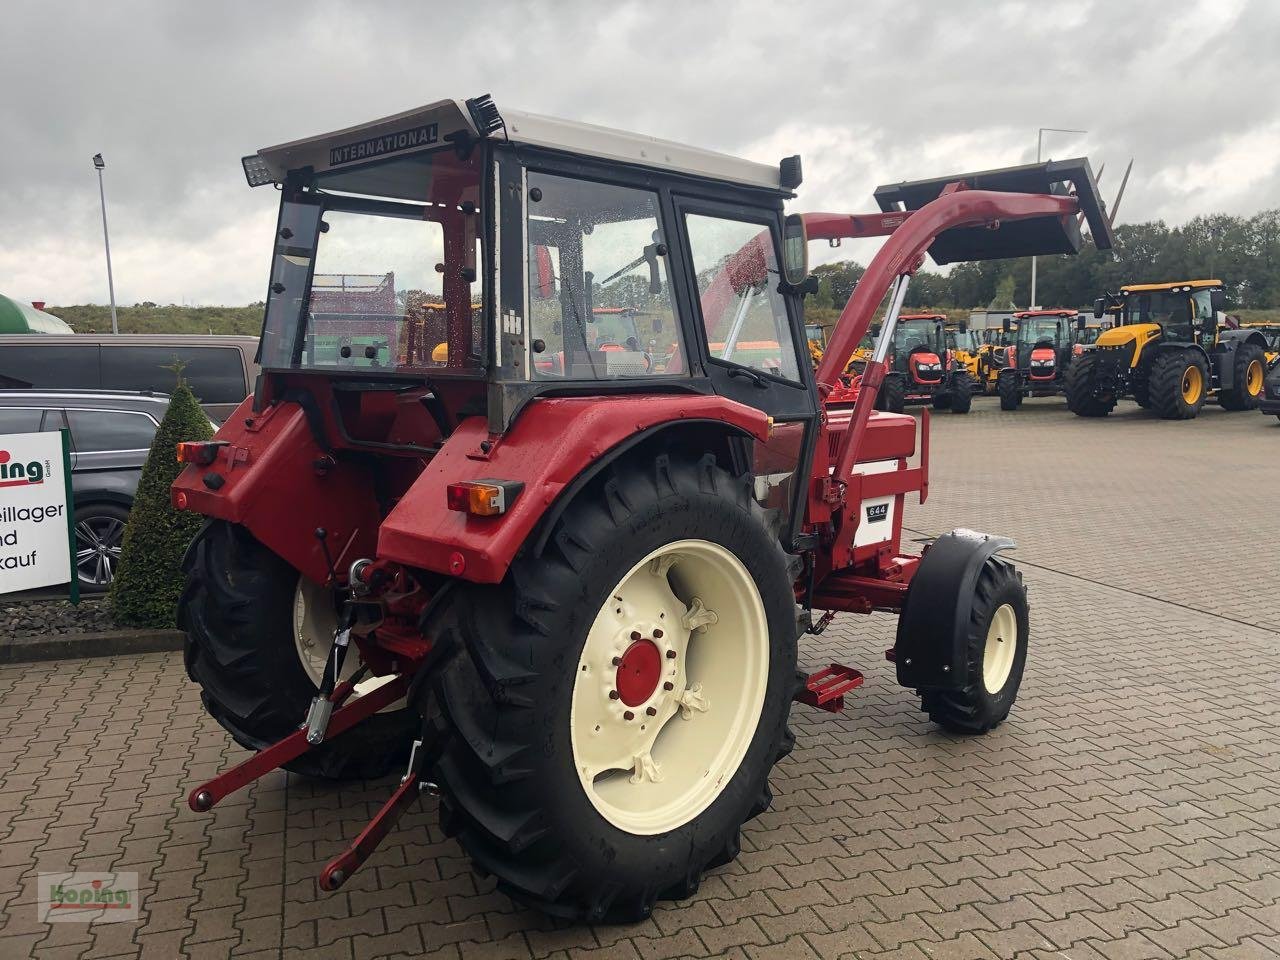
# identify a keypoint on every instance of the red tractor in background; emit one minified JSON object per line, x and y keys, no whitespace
{"x":1035,"y":351}
{"x":923,"y":369}
{"x":568,"y":597}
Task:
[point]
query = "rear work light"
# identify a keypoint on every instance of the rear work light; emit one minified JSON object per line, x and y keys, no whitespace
{"x":483,"y":498}
{"x":200,"y":452}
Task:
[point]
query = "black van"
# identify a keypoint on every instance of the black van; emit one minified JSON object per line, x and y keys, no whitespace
{"x":220,"y":370}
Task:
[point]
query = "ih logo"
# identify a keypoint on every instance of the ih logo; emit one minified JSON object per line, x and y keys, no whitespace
{"x":877,"y":512}
{"x":19,"y":474}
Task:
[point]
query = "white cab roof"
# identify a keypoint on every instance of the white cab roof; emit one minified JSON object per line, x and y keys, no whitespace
{"x":434,"y":124}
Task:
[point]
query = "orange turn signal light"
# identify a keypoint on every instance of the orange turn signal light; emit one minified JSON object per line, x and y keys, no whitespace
{"x":200,"y":452}
{"x":482,"y":498}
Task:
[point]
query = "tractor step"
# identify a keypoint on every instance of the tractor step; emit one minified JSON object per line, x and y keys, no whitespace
{"x":826,"y":688}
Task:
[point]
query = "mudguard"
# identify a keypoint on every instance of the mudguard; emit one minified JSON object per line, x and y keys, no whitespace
{"x":1230,"y":341}
{"x":932,"y":628}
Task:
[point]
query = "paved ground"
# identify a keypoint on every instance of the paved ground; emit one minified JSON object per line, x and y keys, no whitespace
{"x":1129,"y":808}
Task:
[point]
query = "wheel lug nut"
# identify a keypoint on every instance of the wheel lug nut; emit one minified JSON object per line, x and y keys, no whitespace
{"x":628,"y":715}
{"x":671,"y":654}
{"x":651,"y":711}
{"x":635,"y":634}
{"x":657,"y":634}
{"x":617,"y":661}
{"x":613,"y":694}
{"x":668,"y":685}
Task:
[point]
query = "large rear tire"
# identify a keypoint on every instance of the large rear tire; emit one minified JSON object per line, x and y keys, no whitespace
{"x":1178,"y":384}
{"x":1078,"y":387}
{"x":1248,"y":368}
{"x":996,"y":654}
{"x":605,"y":738}
{"x":248,"y":616}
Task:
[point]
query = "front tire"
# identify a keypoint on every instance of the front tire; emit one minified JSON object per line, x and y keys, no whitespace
{"x":552,"y":779}
{"x":1078,"y":387}
{"x":996,"y":654}
{"x":1178,"y":383}
{"x":893,"y":395}
{"x":246,"y":614}
{"x":1010,"y":391}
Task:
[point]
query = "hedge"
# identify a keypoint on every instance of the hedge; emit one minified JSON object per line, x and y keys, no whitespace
{"x":149,"y":576}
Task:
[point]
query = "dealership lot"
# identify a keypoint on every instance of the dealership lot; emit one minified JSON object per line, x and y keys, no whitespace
{"x":1130,"y":807}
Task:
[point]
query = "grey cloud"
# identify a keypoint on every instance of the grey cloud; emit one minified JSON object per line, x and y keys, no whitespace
{"x":174,"y":94}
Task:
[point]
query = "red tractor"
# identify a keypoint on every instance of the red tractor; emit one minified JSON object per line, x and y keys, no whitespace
{"x":568,"y":597}
{"x":1035,"y":351}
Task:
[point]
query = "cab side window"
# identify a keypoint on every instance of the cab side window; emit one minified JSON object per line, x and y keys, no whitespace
{"x":744,"y":314}
{"x":600,"y":298}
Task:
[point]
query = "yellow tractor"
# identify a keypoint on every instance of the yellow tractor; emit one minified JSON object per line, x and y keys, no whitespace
{"x":1169,"y":352}
{"x":965,"y":345}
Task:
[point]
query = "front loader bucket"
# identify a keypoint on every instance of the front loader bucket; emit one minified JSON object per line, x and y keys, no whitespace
{"x":1022,"y":238}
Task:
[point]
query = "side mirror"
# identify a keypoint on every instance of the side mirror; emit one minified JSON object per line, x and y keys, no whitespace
{"x":1081,"y":325}
{"x":1100,"y":308}
{"x":964,"y":327}
{"x":1006,"y":325}
{"x":1218,"y":300}
{"x":795,"y":250}
{"x":875,"y":329}
{"x":545,"y":286}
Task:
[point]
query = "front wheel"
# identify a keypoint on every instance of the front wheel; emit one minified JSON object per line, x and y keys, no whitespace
{"x":892,"y":396}
{"x":1178,"y":384}
{"x":1083,"y":399}
{"x":995,"y":655}
{"x":622,"y":698}
{"x":1010,"y":392}
{"x":962,"y":387}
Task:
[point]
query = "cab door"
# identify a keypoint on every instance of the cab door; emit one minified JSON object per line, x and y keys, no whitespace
{"x":750,"y":336}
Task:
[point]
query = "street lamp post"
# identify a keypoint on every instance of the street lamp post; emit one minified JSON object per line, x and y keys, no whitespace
{"x":1039,"y":145}
{"x":98,"y":164}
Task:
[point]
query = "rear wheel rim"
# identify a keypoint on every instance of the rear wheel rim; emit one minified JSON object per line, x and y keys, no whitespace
{"x":314,"y":622}
{"x":1253,"y":378}
{"x":670,"y":686}
{"x":99,"y":541}
{"x":1001,"y":645}
{"x":1192,"y":384}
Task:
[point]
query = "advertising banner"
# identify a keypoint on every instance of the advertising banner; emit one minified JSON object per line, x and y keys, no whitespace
{"x":36,"y":527}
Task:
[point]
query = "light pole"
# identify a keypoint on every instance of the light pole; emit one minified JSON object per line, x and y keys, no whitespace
{"x":98,"y":164}
{"x":1039,"y":145}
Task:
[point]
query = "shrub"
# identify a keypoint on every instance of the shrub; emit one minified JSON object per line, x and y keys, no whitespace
{"x":149,"y":577}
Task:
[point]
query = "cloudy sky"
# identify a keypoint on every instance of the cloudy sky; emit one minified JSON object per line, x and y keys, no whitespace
{"x":868,"y":91}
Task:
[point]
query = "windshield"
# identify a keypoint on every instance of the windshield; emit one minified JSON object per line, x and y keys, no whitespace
{"x":912,"y":335}
{"x":1038,"y":329}
{"x":367,"y":284}
{"x":1089,"y":335}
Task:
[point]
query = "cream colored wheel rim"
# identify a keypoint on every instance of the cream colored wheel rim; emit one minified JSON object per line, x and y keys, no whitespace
{"x":1002,"y":643}
{"x":652,"y":763}
{"x":314,"y":623}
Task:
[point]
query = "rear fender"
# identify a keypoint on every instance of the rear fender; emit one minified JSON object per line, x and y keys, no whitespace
{"x":553,"y":443}
{"x":275,"y":480}
{"x":1229,"y":342}
{"x":933,"y":627}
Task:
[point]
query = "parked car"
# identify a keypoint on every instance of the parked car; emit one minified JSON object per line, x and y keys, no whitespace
{"x":220,"y":370}
{"x":111,"y":433}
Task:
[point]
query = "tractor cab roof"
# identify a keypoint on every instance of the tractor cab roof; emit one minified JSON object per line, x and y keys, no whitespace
{"x":463,"y":122}
{"x":1173,"y":286}
{"x":1025,"y":314}
{"x":924,"y":316}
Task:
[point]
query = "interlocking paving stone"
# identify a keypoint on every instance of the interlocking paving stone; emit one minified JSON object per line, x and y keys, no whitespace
{"x":1129,"y":808}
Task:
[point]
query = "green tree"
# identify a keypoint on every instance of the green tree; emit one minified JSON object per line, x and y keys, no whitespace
{"x":149,"y":577}
{"x":1003,"y":299}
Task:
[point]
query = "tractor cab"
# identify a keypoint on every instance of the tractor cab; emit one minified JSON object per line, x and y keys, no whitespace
{"x":1035,"y":351}
{"x":920,"y":347}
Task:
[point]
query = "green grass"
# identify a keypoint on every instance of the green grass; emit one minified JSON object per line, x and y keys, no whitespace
{"x":92,"y":318}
